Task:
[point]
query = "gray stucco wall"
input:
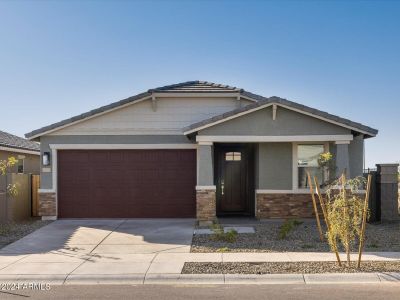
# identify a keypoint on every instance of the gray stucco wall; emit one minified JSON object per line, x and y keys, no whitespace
{"x":356,"y":156}
{"x":45,"y":141}
{"x":287,"y":122}
{"x":205,"y":167}
{"x":31,"y":162}
{"x":275,"y":166}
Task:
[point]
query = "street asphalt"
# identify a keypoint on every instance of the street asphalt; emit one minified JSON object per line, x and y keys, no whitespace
{"x":275,"y":292}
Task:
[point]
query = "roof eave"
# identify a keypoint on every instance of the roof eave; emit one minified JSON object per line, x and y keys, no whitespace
{"x":9,"y":148}
{"x":33,"y":135}
{"x":262,"y":102}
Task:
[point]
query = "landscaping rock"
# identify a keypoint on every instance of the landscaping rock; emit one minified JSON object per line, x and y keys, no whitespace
{"x":303,"y":238}
{"x":11,"y":232}
{"x":287,"y":267}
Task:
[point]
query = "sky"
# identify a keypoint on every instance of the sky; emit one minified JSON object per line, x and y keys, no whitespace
{"x":61,"y":58}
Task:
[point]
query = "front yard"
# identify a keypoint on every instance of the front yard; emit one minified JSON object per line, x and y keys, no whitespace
{"x":12,"y":232}
{"x":302,"y":238}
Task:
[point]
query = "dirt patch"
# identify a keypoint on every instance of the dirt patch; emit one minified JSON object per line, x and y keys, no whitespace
{"x":287,"y":267}
{"x":12,"y":232}
{"x":303,"y":238}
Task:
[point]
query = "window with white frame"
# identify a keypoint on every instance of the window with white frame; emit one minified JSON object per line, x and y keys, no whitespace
{"x":307,"y":161}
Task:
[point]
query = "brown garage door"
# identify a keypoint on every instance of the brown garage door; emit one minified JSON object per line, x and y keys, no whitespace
{"x":126,"y":183}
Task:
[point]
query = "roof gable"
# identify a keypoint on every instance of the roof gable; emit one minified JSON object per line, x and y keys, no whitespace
{"x":264,"y":122}
{"x":196,"y":86}
{"x":265,"y":102}
{"x":166,"y":117}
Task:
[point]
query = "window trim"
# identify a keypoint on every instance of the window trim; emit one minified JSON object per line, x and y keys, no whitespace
{"x":295,"y":171}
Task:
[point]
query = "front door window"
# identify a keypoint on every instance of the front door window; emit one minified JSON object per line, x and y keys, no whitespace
{"x":233,"y":156}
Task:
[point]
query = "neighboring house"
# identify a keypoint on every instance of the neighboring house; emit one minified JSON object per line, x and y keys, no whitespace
{"x":194,"y":149}
{"x":27,"y":153}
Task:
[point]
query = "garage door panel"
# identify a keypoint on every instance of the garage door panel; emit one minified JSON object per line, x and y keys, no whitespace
{"x":126,"y":183}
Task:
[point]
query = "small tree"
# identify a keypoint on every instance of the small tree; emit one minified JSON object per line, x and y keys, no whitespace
{"x":345,"y":213}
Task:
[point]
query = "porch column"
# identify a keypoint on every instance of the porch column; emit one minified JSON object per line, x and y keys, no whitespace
{"x":342,"y":159}
{"x":205,"y":189}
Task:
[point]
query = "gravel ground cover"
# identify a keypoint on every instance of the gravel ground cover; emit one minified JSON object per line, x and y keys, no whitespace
{"x":12,"y":232}
{"x":303,"y":238}
{"x":287,"y":267}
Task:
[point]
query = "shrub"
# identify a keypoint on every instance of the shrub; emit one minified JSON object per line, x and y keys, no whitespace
{"x":220,"y":235}
{"x":287,"y":227}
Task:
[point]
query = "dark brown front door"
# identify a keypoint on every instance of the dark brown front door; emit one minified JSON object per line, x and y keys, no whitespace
{"x":126,"y":183}
{"x":234,"y":180}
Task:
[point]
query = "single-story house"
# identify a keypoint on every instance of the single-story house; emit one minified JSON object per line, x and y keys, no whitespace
{"x":26,"y":152}
{"x":193,"y":149}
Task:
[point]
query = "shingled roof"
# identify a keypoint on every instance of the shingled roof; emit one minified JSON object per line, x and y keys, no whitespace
{"x":9,"y":140}
{"x":263,"y":101}
{"x":195,"y":86}
{"x":198,"y":86}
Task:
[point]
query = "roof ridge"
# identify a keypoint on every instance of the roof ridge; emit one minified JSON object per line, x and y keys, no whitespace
{"x":173,"y":85}
{"x":191,"y":82}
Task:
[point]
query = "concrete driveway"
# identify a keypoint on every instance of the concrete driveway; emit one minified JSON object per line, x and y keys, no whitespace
{"x":88,"y":248}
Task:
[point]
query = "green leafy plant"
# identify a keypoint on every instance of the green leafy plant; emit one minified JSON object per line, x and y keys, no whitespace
{"x":325,"y":159}
{"x":219,"y":234}
{"x":231,"y":236}
{"x":5,"y":165}
{"x":287,"y":227}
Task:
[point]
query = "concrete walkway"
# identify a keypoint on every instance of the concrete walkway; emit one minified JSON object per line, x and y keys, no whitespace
{"x":145,"y":251}
{"x":165,"y":267}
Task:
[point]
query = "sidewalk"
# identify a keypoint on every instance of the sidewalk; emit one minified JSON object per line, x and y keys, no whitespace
{"x":165,"y":268}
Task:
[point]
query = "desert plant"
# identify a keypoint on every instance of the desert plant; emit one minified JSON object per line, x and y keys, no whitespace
{"x":219,"y":233}
{"x":345,"y":213}
{"x":231,"y":236}
{"x":287,"y":227}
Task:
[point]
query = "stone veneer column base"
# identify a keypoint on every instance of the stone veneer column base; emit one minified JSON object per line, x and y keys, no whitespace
{"x":284,"y":206}
{"x":205,"y":205}
{"x":47,"y":206}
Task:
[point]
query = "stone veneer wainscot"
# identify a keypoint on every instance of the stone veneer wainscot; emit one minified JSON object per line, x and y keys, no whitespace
{"x":284,"y":206}
{"x":47,"y":204}
{"x":205,"y":205}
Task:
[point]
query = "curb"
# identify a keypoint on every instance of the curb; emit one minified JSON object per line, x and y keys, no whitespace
{"x":210,"y":279}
